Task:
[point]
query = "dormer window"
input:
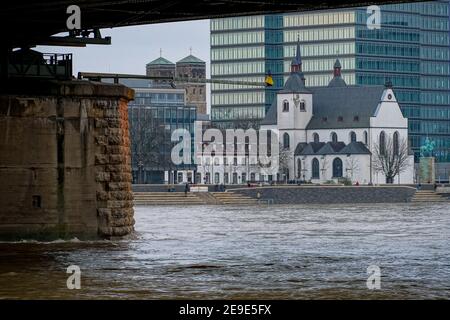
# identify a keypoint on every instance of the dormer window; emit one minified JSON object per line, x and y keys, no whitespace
{"x":340,"y":119}
{"x":324,"y":119}
{"x":356,"y":118}
{"x":285,"y":106}
{"x":302,"y":105}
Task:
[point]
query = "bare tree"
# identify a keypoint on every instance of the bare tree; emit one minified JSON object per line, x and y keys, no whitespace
{"x":352,"y":165}
{"x":390,"y":158}
{"x":285,"y":157}
{"x":324,"y":166}
{"x":150,"y":143}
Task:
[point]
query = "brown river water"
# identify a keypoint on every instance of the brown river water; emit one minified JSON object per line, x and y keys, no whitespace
{"x":264,"y":252}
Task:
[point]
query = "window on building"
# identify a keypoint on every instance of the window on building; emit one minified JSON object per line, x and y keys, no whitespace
{"x":198,"y":178}
{"x":315,"y":169}
{"x":252,"y":177}
{"x":382,"y":143}
{"x":226,"y":178}
{"x":396,"y":143}
{"x":316,"y":138}
{"x":285,"y":106}
{"x":286,"y":140}
{"x":352,"y":136}
{"x":366,"y":138}
{"x":299,"y":169}
{"x":216,"y":178}
{"x":356,"y":118}
{"x":334,"y":137}
{"x":302,"y":105}
{"x":337,"y":168}
{"x":340,"y":118}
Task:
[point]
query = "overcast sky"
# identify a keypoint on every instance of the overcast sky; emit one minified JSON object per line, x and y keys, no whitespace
{"x":133,"y":47}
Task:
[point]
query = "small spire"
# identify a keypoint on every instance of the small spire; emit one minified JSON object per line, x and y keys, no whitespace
{"x":388,"y":84}
{"x":160,"y":52}
{"x":296,"y":64}
{"x":190,"y":51}
{"x":337,"y":68}
{"x":337,"y":80}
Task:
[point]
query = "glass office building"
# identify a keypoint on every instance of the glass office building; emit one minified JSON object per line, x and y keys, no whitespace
{"x":159,"y":110}
{"x":411,"y":49}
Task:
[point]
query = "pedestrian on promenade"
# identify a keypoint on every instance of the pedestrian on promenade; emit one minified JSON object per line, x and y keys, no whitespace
{"x":186,"y":189}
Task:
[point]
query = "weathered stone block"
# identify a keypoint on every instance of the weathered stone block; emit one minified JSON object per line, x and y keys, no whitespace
{"x":102,"y":177}
{"x":101,"y":159}
{"x":116,"y":159}
{"x":120,"y":177}
{"x":101,"y":123}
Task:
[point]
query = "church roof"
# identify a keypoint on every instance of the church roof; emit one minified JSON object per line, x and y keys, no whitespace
{"x":337,"y":82}
{"x":160,"y":61}
{"x":191,"y":59}
{"x":344,"y":107}
{"x":300,"y":148}
{"x":295,"y":84}
{"x":338,"y":107}
{"x":311,"y":148}
{"x":331,"y":148}
{"x":297,"y":60}
{"x":337,"y":64}
{"x":356,"y":147}
{"x":271,"y":114}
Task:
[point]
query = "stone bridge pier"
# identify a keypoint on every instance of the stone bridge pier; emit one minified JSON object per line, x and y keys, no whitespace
{"x":65,"y":160}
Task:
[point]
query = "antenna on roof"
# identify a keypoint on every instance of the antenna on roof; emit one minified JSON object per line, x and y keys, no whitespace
{"x":190,"y":50}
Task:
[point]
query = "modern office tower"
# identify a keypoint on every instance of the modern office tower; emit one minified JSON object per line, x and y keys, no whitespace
{"x":245,"y":49}
{"x":411,"y":50}
{"x":193,"y":67}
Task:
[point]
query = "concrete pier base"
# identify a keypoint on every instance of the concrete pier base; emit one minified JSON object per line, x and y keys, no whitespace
{"x":65,"y":160}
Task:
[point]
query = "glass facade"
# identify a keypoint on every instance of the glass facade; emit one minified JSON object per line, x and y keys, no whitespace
{"x":164,"y":110}
{"x":411,"y":49}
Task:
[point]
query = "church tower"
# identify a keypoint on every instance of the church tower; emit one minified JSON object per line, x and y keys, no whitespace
{"x":294,"y":101}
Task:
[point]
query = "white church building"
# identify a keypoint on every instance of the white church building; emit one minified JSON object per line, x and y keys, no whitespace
{"x":330,"y":132}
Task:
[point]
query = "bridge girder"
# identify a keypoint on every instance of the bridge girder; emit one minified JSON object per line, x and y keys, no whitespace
{"x":30,"y":22}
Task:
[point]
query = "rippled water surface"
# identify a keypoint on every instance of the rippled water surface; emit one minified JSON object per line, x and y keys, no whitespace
{"x":280,"y":252}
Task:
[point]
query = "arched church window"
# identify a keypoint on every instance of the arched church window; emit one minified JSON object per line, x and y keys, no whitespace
{"x":334,"y":137}
{"x":285,"y":106}
{"x":286,"y":140}
{"x":316,"y":137}
{"x":352,"y":136}
{"x":337,"y":168}
{"x":396,"y":143}
{"x":299,"y":169}
{"x":315,"y":169}
{"x":382,"y":143}
{"x":302,"y":105}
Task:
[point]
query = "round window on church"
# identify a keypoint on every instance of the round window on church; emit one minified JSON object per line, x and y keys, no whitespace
{"x":389,"y":96}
